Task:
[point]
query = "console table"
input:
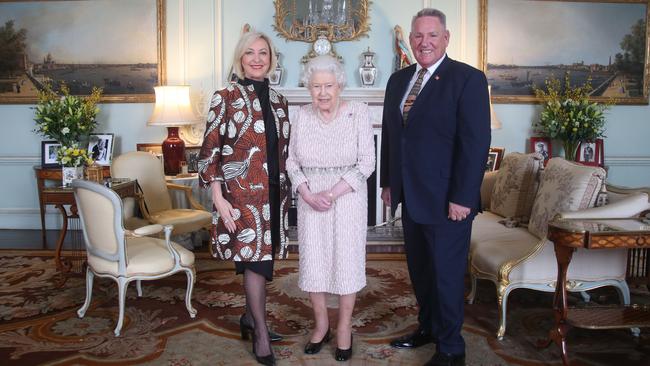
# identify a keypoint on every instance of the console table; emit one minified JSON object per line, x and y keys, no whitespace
{"x":61,"y":196}
{"x":593,"y":234}
{"x":55,"y":175}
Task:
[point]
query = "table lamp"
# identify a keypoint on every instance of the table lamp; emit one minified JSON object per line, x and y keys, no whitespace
{"x":172,"y":109}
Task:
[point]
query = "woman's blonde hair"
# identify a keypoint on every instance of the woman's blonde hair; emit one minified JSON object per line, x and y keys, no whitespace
{"x":242,"y":45}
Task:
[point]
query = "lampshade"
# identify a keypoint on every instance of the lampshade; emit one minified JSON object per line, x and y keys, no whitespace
{"x":173,"y":107}
{"x":495,"y":124}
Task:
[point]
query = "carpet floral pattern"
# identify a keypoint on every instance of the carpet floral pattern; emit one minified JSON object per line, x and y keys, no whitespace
{"x":39,"y":325}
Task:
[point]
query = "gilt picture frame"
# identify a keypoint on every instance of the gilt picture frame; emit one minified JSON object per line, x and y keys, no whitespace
{"x":605,"y":42}
{"x":84,"y":44}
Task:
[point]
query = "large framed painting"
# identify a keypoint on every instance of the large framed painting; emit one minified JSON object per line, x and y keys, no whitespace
{"x":118,"y":45}
{"x":525,"y":42}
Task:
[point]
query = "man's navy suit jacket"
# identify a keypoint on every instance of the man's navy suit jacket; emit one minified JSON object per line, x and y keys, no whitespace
{"x":439,"y":155}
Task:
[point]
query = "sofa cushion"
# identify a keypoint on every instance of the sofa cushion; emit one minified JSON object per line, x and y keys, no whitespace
{"x":506,"y":245}
{"x":493,"y":247}
{"x":516,"y":185}
{"x":564,"y":186}
{"x":586,"y":265}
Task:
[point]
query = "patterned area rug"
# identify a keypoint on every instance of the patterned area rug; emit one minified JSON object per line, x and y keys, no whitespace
{"x":38,"y":322}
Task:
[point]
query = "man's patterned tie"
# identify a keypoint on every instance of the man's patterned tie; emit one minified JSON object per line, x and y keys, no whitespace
{"x":415,"y":90}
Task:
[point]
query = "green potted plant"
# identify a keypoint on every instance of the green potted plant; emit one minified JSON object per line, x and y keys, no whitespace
{"x":568,"y":114}
{"x":68,"y":119}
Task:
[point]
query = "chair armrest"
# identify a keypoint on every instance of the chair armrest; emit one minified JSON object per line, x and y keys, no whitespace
{"x":178,"y":186}
{"x":627,"y":207}
{"x":143,"y":206}
{"x":188,"y":194}
{"x":487,"y":186}
{"x":168,"y":235}
{"x":144,"y":231}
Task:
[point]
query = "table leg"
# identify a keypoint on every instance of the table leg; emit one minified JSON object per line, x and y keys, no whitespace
{"x":40,"y":185}
{"x":59,"y":244}
{"x":558,"y":334}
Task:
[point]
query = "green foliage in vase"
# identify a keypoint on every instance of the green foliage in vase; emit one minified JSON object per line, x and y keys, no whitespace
{"x":567,"y":112}
{"x":68,"y":119}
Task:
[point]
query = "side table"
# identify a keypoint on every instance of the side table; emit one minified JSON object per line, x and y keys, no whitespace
{"x":571,"y":234}
{"x":55,"y":175}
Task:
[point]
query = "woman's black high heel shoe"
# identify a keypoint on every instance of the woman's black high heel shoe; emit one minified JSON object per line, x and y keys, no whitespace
{"x":344,"y":354}
{"x":248,"y":329}
{"x":313,"y":348}
{"x":268,"y":360}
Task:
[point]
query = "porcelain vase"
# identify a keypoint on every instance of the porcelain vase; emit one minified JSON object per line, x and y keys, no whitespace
{"x":70,"y":173}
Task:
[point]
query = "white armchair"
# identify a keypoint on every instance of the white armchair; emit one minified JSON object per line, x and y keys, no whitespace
{"x":123,"y":255}
{"x":522,"y":256}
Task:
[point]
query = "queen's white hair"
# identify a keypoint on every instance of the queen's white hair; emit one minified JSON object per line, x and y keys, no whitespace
{"x":324,"y":63}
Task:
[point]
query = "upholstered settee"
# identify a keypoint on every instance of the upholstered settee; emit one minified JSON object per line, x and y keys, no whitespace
{"x":509,"y":245}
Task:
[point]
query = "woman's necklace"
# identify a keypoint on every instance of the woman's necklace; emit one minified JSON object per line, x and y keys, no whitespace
{"x":325,"y":121}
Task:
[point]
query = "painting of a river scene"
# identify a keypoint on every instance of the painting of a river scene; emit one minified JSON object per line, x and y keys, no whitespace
{"x":112,"y":44}
{"x":605,"y":43}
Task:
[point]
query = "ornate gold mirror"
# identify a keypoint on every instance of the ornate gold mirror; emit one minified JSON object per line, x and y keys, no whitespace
{"x":305,"y":20}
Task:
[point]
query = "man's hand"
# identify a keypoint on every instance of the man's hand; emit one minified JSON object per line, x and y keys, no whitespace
{"x":457,"y":212}
{"x":385,"y":196}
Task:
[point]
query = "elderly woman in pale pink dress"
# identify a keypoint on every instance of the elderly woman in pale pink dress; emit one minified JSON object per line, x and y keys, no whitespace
{"x":331,"y":155}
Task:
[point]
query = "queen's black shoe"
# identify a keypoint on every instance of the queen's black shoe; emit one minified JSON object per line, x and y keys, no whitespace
{"x":344,"y":354}
{"x":313,"y":348}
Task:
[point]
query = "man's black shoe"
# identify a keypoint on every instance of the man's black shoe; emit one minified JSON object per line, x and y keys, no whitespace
{"x":416,"y":339}
{"x":446,"y":359}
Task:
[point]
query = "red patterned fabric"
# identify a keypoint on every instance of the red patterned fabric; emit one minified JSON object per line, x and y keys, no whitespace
{"x":234,"y":152}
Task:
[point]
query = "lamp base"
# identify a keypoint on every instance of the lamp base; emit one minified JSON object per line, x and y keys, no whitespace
{"x":173,"y":149}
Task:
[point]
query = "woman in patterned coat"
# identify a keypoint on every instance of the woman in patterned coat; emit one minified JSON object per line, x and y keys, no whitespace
{"x":242,"y":160}
{"x":331,"y":156}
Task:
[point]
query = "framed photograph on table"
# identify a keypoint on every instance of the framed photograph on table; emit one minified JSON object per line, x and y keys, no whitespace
{"x":49,"y":150}
{"x":494,"y":158}
{"x":192,"y":158}
{"x":100,"y":148}
{"x":588,"y":154}
{"x":83,"y":44}
{"x":524,"y":43}
{"x":541,"y":145}
{"x":153,"y":149}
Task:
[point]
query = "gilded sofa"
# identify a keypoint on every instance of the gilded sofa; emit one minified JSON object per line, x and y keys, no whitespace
{"x":509,"y":245}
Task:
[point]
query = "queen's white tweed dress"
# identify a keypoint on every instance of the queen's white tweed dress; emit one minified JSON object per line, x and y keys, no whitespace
{"x":332,"y":244}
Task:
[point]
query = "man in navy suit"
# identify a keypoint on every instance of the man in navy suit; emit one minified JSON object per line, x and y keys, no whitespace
{"x":435,"y":142}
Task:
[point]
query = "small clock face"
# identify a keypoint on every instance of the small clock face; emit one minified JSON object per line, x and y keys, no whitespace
{"x":322,"y":46}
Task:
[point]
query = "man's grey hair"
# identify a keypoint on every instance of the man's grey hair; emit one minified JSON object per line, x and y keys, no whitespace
{"x":324,"y":63}
{"x":430,"y":12}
